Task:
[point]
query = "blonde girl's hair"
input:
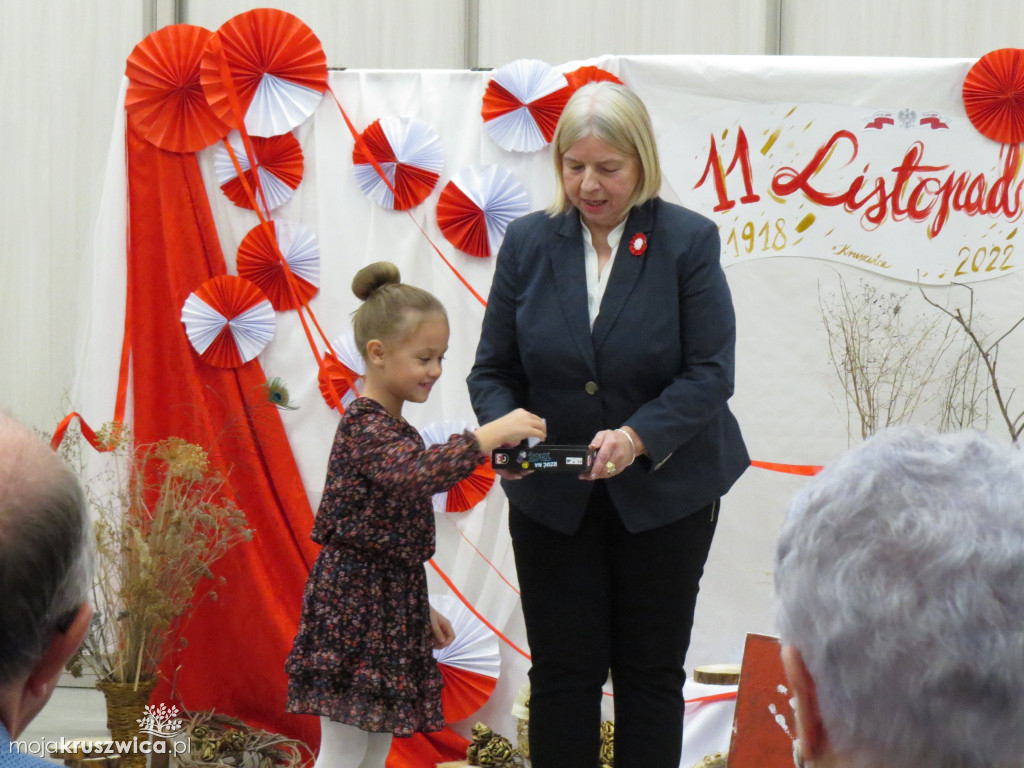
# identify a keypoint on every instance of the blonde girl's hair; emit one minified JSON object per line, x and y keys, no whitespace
{"x":614,"y":114}
{"x":387,"y":304}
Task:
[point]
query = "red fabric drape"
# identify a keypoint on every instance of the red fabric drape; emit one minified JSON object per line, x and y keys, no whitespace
{"x":425,"y":750}
{"x":236,"y":644}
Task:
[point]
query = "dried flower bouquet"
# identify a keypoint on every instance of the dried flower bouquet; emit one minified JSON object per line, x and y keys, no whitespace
{"x":163,"y":517}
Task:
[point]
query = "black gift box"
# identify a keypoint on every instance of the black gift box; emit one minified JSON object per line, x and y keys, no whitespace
{"x":544,"y":458}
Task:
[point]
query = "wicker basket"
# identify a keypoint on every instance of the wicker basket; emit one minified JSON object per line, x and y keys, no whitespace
{"x":126,"y":705}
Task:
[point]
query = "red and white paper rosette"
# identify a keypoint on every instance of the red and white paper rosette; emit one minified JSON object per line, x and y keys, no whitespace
{"x":993,"y":93}
{"x":471,"y":665}
{"x":279,"y":164}
{"x":165,"y":102}
{"x":275,"y":65}
{"x":465,"y":494}
{"x":259,"y":261}
{"x":476,"y":206}
{"x":583,"y":75}
{"x":344,"y":371}
{"x":522,"y":104}
{"x":408,"y":151}
{"x":228,"y":320}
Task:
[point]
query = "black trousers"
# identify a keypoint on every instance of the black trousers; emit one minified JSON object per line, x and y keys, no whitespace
{"x":604,"y":599}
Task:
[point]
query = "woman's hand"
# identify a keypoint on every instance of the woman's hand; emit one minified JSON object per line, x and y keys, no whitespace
{"x":616,"y":450}
{"x":441,"y":629}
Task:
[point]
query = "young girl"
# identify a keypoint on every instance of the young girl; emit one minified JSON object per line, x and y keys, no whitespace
{"x":362,"y":658}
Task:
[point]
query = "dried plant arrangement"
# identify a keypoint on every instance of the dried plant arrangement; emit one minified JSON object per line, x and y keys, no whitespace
{"x":162,"y":518}
{"x":965,"y":393}
{"x":986,"y":353}
{"x":887,"y":360}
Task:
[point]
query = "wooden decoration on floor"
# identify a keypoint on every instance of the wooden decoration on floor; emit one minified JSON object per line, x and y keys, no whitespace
{"x":717,"y":674}
{"x":764,"y":727}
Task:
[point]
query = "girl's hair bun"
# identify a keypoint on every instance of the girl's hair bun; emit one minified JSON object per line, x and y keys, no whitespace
{"x":374,"y":276}
{"x":390,"y":307}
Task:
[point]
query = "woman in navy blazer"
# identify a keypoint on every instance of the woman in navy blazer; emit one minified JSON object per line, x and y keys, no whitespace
{"x":609,"y":315}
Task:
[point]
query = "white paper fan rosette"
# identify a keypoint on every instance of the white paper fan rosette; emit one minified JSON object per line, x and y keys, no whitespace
{"x":471,"y":665}
{"x":228,"y":321}
{"x":466,"y":493}
{"x":410,"y":154}
{"x":278,"y":180}
{"x":300,"y":248}
{"x":522,"y":104}
{"x":345,"y":370}
{"x":476,"y":206}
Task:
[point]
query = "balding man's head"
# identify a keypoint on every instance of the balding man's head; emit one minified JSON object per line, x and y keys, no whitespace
{"x":45,"y":548}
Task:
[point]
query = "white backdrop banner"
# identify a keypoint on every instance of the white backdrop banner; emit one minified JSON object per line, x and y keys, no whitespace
{"x":914,"y":195}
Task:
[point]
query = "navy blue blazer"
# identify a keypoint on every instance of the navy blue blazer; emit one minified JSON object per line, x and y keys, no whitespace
{"x":660,"y":358}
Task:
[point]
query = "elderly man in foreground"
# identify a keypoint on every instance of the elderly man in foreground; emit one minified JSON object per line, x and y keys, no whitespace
{"x":900,"y":582}
{"x":45,"y":574}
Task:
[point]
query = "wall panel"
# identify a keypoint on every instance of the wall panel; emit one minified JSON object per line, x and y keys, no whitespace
{"x":61,"y":66}
{"x":366,"y":34}
{"x":581,"y":29}
{"x":949,"y":28}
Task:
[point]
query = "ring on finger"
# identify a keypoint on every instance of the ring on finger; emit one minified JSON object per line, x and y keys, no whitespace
{"x":610,"y":467}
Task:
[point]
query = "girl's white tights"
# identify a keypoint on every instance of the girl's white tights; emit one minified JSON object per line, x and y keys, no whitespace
{"x":346,"y":746}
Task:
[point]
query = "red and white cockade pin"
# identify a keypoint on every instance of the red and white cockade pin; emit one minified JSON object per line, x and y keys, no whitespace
{"x":638,"y":244}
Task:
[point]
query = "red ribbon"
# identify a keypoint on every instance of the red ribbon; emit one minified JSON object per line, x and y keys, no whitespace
{"x":726,"y":696}
{"x":87,"y":433}
{"x":455,"y":590}
{"x":807,"y":470}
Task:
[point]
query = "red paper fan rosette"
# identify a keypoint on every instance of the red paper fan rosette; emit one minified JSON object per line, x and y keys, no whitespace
{"x":279,"y":164}
{"x":522,"y":104}
{"x":228,"y":320}
{"x":259,"y":262}
{"x":467,"y":493}
{"x":343,"y":371}
{"x":993,"y":94}
{"x":408,"y":151}
{"x":165,"y":102}
{"x":476,"y":206}
{"x":277,"y":67}
{"x":583,"y":75}
{"x":471,"y":665}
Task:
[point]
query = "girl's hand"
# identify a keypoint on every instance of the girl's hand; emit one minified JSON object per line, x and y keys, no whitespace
{"x":510,"y":429}
{"x":616,"y":450}
{"x":441,"y":629}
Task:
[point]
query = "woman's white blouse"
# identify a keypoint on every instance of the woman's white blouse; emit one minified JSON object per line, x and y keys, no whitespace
{"x":596,"y":283}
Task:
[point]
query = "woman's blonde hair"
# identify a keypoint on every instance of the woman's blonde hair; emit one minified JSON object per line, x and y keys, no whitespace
{"x":387,"y":303}
{"x":614,"y":114}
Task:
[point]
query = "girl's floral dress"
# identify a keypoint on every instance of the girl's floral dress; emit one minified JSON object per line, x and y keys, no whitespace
{"x":363,"y":654}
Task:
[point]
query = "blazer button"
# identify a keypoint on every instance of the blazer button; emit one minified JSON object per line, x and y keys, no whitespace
{"x":591,"y":387}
